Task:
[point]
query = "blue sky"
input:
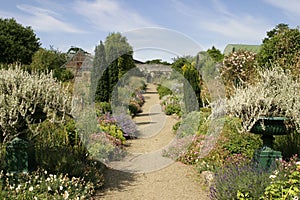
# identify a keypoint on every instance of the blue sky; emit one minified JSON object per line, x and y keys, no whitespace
{"x":155,"y":29}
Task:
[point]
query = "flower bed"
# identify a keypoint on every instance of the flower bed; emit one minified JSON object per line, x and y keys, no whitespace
{"x":41,"y":185}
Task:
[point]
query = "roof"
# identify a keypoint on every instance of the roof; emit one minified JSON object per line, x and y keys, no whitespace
{"x":235,"y":47}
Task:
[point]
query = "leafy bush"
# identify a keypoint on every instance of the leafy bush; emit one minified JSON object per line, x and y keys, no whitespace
{"x":239,"y":182}
{"x":26,"y":99}
{"x":105,"y":148}
{"x":102,"y":108}
{"x":71,"y":161}
{"x":171,"y":104}
{"x":173,"y":109}
{"x":176,"y":126}
{"x":288,"y":144}
{"x":113,"y":130}
{"x":163,"y":91}
{"x":63,"y":74}
{"x":58,"y":149}
{"x":134,"y":108}
{"x":190,"y":124}
{"x":231,"y":146}
{"x":42,"y":185}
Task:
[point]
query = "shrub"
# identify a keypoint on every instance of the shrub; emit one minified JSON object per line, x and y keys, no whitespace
{"x":111,"y":126}
{"x":173,"y":109}
{"x":231,"y":146}
{"x":288,"y":144}
{"x":134,"y":108}
{"x":58,"y":149}
{"x":274,"y":94}
{"x":102,"y":108}
{"x":176,"y":126}
{"x":163,"y":91}
{"x":26,"y":99}
{"x":105,"y":148}
{"x":171,"y":105}
{"x":238,"y":69}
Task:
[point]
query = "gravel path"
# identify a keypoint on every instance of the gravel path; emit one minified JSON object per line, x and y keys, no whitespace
{"x":145,"y":174}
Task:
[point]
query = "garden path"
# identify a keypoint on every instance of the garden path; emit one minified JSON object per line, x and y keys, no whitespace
{"x":145,"y":174}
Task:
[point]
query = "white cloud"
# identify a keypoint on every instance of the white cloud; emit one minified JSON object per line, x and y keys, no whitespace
{"x":110,"y":15}
{"x":40,"y":19}
{"x":291,"y":7}
{"x":243,"y":28}
{"x":217,"y":20}
{"x":44,"y":20}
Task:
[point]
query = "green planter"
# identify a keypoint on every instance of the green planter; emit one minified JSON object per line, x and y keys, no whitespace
{"x":266,"y":156}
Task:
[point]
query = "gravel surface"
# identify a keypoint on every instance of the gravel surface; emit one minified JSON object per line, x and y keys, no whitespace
{"x":145,"y":174}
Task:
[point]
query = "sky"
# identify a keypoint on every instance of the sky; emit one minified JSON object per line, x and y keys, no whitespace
{"x":156,"y":29}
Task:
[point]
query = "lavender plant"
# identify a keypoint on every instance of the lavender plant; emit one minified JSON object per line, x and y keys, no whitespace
{"x":126,"y":124}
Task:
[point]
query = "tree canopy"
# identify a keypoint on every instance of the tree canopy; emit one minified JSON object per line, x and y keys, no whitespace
{"x":45,"y":60}
{"x":17,"y":43}
{"x":112,"y":60}
{"x":282,"y":47}
{"x":215,"y":54}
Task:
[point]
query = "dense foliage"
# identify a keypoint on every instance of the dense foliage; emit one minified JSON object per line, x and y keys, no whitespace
{"x":282,"y":47}
{"x":274,"y":94}
{"x":112,"y":60}
{"x":17,"y":43}
{"x":100,"y":76}
{"x":27,"y":99}
{"x":51,"y":60}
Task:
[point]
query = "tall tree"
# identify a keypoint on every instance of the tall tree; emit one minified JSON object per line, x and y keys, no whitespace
{"x":192,"y":75}
{"x":17,"y":43}
{"x":118,"y":56}
{"x":178,"y":63}
{"x":45,"y":60}
{"x":100,"y":76}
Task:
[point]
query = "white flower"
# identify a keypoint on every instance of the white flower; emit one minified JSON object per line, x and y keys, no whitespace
{"x":298,"y":163}
{"x":295,"y":198}
{"x":272,"y":176}
{"x":46,"y":172}
{"x":61,"y":187}
{"x":66,"y":195}
{"x":49,"y":188}
{"x":31,"y":189}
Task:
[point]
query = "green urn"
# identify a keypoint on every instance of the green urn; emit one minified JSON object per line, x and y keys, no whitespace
{"x":267,"y":127}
